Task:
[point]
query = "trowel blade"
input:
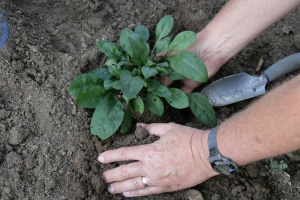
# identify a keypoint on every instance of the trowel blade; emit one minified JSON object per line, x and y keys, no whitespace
{"x":234,"y":88}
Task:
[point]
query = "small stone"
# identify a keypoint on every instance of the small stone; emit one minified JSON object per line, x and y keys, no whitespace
{"x":215,"y":197}
{"x":297,"y":41}
{"x":287,"y":29}
{"x":140,"y":132}
{"x":95,"y":22}
{"x":30,"y":162}
{"x":193,"y":194}
{"x":9,"y":148}
{"x":50,"y":183}
{"x":253,"y":170}
{"x":13,"y":159}
{"x":4,"y":114}
{"x":17,"y":135}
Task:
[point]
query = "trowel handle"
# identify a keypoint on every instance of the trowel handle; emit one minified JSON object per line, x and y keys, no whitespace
{"x":282,"y":67}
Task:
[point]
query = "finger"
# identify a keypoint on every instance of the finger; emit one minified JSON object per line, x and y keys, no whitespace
{"x":158,"y":129}
{"x":165,"y":80}
{"x":122,"y":154}
{"x":129,"y":185}
{"x":186,"y":89}
{"x":145,"y":192}
{"x":124,"y":172}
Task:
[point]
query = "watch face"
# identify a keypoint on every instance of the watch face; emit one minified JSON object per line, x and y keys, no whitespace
{"x":223,"y":168}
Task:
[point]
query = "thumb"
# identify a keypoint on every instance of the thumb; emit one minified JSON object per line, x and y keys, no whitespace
{"x":158,"y":129}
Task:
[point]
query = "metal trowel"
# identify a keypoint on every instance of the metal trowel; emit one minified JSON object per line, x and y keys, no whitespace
{"x":242,"y":86}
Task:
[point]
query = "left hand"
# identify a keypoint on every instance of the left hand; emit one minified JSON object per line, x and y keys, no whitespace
{"x":178,"y":160}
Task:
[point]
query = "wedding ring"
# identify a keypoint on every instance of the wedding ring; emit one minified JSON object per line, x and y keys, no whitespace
{"x":144,"y":181}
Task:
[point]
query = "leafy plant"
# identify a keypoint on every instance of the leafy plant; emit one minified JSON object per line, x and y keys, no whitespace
{"x":133,"y":72}
{"x":278,"y":166}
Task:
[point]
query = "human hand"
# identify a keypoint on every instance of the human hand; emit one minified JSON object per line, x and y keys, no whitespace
{"x":178,"y":160}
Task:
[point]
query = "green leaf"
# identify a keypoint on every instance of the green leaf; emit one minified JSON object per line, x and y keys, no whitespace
{"x":110,"y":49}
{"x":154,"y":104}
{"x":202,"y":109}
{"x":161,"y":70}
{"x":107,"y":118}
{"x":190,"y":66}
{"x":136,"y":72}
{"x":117,"y":85}
{"x":108,"y":84}
{"x":150,"y":63}
{"x":110,"y":62}
{"x":164,"y":27}
{"x":175,"y":76}
{"x":126,"y":99}
{"x":102,"y":73}
{"x":162,"y":91}
{"x":83,"y":83}
{"x":127,"y":121}
{"x":135,"y":46}
{"x":164,"y":64}
{"x":130,"y":85}
{"x":137,"y":104}
{"x":111,"y":96}
{"x":163,"y":45}
{"x":124,"y":65}
{"x":165,"y":71}
{"x":142,"y":31}
{"x":182,"y":41}
{"x":152,"y":84}
{"x":148,"y":71}
{"x":178,"y":99}
{"x":92,"y":98}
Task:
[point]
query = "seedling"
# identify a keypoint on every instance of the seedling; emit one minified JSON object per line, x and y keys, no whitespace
{"x":29,"y":63}
{"x":278,"y":166}
{"x":133,"y":72}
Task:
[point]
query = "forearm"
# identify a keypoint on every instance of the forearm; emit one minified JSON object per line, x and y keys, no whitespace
{"x":235,"y":26}
{"x":268,"y":128}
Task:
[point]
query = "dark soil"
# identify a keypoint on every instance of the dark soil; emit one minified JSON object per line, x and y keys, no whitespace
{"x":44,"y":135}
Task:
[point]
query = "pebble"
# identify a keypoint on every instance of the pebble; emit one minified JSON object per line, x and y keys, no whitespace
{"x":297,"y":41}
{"x":95,"y":22}
{"x":17,"y":135}
{"x":193,"y":194}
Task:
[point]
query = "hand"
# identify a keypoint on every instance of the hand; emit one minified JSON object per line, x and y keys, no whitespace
{"x":213,"y":60}
{"x":178,"y":160}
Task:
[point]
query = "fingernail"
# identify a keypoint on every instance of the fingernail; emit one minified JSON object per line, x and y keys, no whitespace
{"x":111,"y":190}
{"x":141,"y":124}
{"x":160,"y":79}
{"x":100,"y":159}
{"x":102,"y":177}
{"x":126,"y":194}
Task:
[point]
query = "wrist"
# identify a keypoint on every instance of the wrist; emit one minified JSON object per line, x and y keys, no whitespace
{"x":202,"y":152}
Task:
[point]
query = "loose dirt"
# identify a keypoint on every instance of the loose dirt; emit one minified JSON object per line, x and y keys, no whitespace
{"x":45,"y":136}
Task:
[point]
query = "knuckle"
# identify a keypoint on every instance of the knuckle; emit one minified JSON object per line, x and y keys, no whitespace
{"x":123,"y":153}
{"x":137,"y":184}
{"x":124,"y":172}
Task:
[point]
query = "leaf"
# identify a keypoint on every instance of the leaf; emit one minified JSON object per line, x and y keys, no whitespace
{"x":83,"y":83}
{"x":127,"y":121}
{"x":162,"y":91}
{"x":202,"y":109}
{"x":161,"y":70}
{"x":107,"y":118}
{"x":190,"y":66}
{"x":163,"y":45}
{"x":152,"y":84}
{"x":148,"y":71}
{"x":182,"y":41}
{"x":108,"y":84}
{"x":154,"y":104}
{"x":137,"y":104}
{"x":131,"y":86}
{"x":175,"y":76}
{"x":165,"y":71}
{"x":164,"y":27}
{"x":110,"y":49}
{"x":150,"y":63}
{"x":164,"y":64}
{"x":102,"y":73}
{"x":92,"y":98}
{"x":136,"y":72}
{"x":135,"y":46}
{"x":111,"y":96}
{"x":124,"y":65}
{"x":117,"y":85}
{"x":110,"y":62}
{"x":142,"y":31}
{"x":178,"y":99}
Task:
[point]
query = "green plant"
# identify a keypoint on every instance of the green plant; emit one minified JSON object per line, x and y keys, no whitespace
{"x":275,"y":166}
{"x":133,"y":73}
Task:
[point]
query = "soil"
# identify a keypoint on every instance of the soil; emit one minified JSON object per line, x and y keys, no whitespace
{"x":45,"y":138}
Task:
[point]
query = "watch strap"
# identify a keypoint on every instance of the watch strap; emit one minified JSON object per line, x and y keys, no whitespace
{"x":212,"y":142}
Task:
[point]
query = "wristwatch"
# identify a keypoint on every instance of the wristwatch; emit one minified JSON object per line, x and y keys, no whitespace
{"x":218,"y":162}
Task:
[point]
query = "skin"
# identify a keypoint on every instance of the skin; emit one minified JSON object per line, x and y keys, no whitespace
{"x":270,"y":127}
